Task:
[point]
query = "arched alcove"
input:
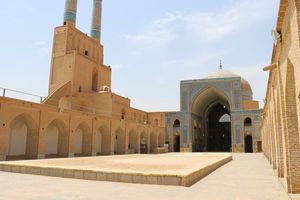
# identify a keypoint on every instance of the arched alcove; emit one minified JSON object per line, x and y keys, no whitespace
{"x":57,"y":139}
{"x":155,"y":122}
{"x":213,"y":107}
{"x":248,"y":122}
{"x":120,"y":141}
{"x":161,"y":139}
{"x":103,"y":141}
{"x":83,"y":140}
{"x":144,"y":143}
{"x":99,"y":142}
{"x":133,"y":141}
{"x":176,"y":123}
{"x":52,"y":140}
{"x":153,"y":141}
{"x":23,"y":140}
{"x":123,"y":114}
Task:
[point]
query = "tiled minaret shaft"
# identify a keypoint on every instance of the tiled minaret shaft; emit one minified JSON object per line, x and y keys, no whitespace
{"x":96,"y":20}
{"x":70,"y":11}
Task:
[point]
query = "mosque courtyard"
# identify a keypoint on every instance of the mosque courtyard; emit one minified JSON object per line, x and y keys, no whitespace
{"x":162,"y":169}
{"x":247,"y":176}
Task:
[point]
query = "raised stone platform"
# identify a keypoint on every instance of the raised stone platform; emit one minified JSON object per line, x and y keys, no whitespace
{"x":181,"y":169}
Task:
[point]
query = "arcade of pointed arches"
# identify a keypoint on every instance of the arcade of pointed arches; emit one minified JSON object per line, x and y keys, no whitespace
{"x":25,"y":139}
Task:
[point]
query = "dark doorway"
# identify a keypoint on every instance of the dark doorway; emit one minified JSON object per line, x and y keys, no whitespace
{"x":176,"y":133}
{"x":259,"y":146}
{"x":177,"y":143}
{"x":248,"y":144}
{"x":219,"y":129}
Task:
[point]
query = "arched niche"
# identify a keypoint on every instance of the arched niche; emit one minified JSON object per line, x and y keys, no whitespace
{"x":120,"y":141}
{"x":153,"y":141}
{"x":23,"y":138}
{"x":83,"y":140}
{"x":57,"y":139}
{"x":103,"y":141}
{"x":144,"y":143}
{"x":133,"y":141}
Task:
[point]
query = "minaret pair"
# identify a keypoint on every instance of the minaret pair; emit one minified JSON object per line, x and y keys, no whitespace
{"x":71,"y":12}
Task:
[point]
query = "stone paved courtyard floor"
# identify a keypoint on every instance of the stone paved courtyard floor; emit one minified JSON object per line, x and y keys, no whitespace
{"x":248,"y":176}
{"x":162,"y":169}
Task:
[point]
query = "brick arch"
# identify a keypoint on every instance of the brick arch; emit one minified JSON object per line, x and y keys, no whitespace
{"x":105,"y":140}
{"x":161,"y":139}
{"x":62,"y":137}
{"x":120,"y":141}
{"x":153,"y":141}
{"x":23,"y":127}
{"x":84,"y":131}
{"x":144,"y":142}
{"x":133,"y":140}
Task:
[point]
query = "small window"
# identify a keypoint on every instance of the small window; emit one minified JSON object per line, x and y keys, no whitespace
{"x":65,"y":23}
{"x":123,"y":114}
{"x":79,"y":89}
{"x":248,"y":122}
{"x":176,"y":123}
{"x":86,"y":53}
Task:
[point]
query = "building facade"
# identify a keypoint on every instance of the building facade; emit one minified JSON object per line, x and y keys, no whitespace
{"x":217,"y":114}
{"x":281,"y":113}
{"x":81,"y":115}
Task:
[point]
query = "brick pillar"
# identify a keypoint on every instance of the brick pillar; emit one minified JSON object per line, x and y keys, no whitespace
{"x":292,"y":139}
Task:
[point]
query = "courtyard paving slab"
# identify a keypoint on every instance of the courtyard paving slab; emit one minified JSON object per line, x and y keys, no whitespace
{"x":247,"y":177}
{"x":163,"y":169}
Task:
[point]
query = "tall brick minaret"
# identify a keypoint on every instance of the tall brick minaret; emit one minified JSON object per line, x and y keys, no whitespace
{"x":78,"y":73}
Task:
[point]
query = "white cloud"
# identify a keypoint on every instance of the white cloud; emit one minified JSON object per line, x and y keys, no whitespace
{"x":158,"y":34}
{"x":206,"y":26}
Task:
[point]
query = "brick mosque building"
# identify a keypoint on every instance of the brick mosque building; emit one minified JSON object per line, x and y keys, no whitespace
{"x":217,"y":114}
{"x":83,"y":117}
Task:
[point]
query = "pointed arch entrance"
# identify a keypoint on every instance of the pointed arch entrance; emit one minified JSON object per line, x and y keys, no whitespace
{"x":218,"y":128}
{"x":211,"y":114}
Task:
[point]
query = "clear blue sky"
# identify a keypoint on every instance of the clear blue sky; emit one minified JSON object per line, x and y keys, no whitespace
{"x":151,"y":45}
